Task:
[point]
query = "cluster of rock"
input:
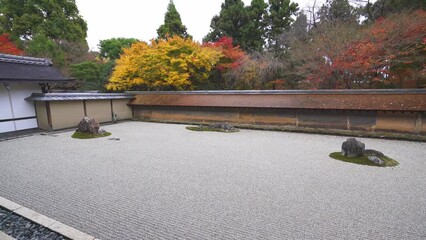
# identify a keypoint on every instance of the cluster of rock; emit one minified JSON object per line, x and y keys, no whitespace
{"x":222,"y":126}
{"x":89,"y":125}
{"x":354,"y":148}
{"x":21,"y":228}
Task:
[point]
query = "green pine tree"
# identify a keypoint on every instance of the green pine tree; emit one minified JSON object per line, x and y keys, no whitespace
{"x":172,"y":24}
{"x":337,"y":10}
{"x":254,"y":30}
{"x":279,"y":19}
{"x":382,"y":8}
{"x":229,"y":22}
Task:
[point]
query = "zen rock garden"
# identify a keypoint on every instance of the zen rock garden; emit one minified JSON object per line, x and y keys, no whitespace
{"x":89,"y":128}
{"x":354,"y":151}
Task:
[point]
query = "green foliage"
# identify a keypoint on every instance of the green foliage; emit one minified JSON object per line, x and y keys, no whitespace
{"x":279,"y":19}
{"x":110,"y":51}
{"x":57,"y":19}
{"x":363,"y":160}
{"x":172,"y":24}
{"x":106,"y":71}
{"x":113,"y":48}
{"x":383,"y":8}
{"x":48,"y":29}
{"x":88,"y":74}
{"x":250,"y":26}
{"x":230,"y":22}
{"x":42,"y":46}
{"x":253,"y":32}
{"x":93,"y":75}
{"x":337,"y":10}
{"x":80,"y":135}
{"x":245,"y":25}
{"x":62,"y":53}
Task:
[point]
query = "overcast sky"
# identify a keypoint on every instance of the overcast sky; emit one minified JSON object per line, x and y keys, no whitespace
{"x":140,"y":19}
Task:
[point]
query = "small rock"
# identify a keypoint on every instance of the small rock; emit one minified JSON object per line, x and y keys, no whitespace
{"x":223,"y":126}
{"x":101,"y":131}
{"x":352,"y":148}
{"x":376,"y":160}
{"x":373,"y":153}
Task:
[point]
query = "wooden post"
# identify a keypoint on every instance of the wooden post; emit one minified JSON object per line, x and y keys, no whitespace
{"x":49,"y":116}
{"x":418,"y":123}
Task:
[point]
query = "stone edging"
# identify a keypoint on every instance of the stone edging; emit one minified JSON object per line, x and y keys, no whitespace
{"x":46,"y":222}
{"x":4,"y":236}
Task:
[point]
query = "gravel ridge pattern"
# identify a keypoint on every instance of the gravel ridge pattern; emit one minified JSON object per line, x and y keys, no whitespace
{"x":161,"y":181}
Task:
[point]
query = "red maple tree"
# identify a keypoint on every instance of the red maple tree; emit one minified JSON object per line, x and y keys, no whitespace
{"x":9,"y":47}
{"x":233,"y":55}
{"x":392,"y":53}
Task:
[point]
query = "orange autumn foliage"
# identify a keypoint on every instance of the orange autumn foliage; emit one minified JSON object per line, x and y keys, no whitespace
{"x":392,"y":53}
{"x":232,"y":55}
{"x":389,"y":53}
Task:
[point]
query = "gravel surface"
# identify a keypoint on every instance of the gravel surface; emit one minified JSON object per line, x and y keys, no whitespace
{"x":161,"y":181}
{"x":21,"y":228}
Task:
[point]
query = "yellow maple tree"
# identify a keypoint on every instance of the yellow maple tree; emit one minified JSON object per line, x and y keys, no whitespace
{"x":164,"y":64}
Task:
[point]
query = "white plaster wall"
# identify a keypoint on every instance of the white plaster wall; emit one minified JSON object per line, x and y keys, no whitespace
{"x":26,"y":124}
{"x":7,"y":127}
{"x":21,"y":107}
{"x":5,"y":111}
{"x":19,"y":92}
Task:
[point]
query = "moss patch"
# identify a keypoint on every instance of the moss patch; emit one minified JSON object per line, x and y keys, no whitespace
{"x":210,"y":129}
{"x":363,"y":160}
{"x":81,"y":135}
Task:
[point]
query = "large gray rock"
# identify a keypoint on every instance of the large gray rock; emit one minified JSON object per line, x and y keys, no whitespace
{"x":352,"y":148}
{"x":88,"y":125}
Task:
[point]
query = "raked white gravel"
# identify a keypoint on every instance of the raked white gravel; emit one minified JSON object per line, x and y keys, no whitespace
{"x":161,"y":181}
